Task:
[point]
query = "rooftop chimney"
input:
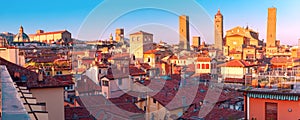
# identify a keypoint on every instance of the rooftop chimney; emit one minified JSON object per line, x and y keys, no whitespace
{"x":41,"y":75}
{"x":39,"y":31}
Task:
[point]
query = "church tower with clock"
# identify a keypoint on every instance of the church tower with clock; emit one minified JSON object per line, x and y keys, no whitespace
{"x":219,"y":31}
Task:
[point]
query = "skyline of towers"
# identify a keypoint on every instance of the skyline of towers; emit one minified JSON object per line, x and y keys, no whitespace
{"x":218,"y":24}
{"x":271,"y":27}
{"x":184,"y":32}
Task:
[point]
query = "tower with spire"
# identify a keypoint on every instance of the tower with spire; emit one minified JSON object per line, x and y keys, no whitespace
{"x":111,"y":38}
{"x":21,"y":30}
{"x":218,"y":24}
{"x":21,"y":36}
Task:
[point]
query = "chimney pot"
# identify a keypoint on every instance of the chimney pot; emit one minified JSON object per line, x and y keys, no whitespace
{"x":40,"y":75}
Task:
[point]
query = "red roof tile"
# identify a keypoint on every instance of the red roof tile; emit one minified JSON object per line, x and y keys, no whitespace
{"x":120,"y":56}
{"x":46,"y":33}
{"x":99,"y":106}
{"x":102,"y":65}
{"x":277,"y":60}
{"x":80,"y":113}
{"x":234,"y":80}
{"x":236,"y":63}
{"x":203,"y":59}
{"x":44,"y":59}
{"x":145,"y":66}
{"x":140,"y":32}
{"x":134,"y":71}
{"x":31,"y":78}
{"x":86,"y":85}
{"x":173,"y":57}
{"x":221,"y":113}
{"x":126,"y":102}
{"x":65,"y":78}
{"x":157,"y":52}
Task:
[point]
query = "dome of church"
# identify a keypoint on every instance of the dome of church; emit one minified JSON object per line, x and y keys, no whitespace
{"x":21,"y":36}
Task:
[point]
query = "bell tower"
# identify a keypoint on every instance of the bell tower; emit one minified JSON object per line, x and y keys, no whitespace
{"x":219,"y":30}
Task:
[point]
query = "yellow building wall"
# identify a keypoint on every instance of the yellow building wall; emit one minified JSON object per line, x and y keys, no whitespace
{"x":50,"y":37}
{"x":57,"y":36}
{"x":152,"y":59}
{"x":235,"y":42}
{"x":254,"y":42}
{"x":246,"y":33}
{"x":294,"y":52}
{"x":249,"y":51}
{"x":236,"y":56}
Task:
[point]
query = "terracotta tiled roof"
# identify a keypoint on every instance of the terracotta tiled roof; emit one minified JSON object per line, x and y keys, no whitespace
{"x":30,"y":78}
{"x":126,"y":102}
{"x":140,"y":32}
{"x":44,"y":59}
{"x":46,"y":33}
{"x":145,"y":66}
{"x":234,"y":80}
{"x":202,"y":76}
{"x":221,"y":113}
{"x":113,"y":74}
{"x":276,"y":60}
{"x":86,"y":85}
{"x":102,"y":108}
{"x":134,"y":71}
{"x":173,"y":57}
{"x":80,"y":113}
{"x":203,"y":59}
{"x":102,"y":65}
{"x":65,"y":78}
{"x":236,"y":63}
{"x":236,"y":35}
{"x":157,"y":52}
{"x":120,"y":56}
{"x":216,"y":113}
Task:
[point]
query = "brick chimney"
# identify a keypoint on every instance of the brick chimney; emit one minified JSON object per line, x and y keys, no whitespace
{"x":40,"y":75}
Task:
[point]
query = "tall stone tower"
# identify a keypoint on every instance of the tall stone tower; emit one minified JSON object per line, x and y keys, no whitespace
{"x":140,"y":42}
{"x":196,"y":41}
{"x":119,"y":35}
{"x":271,"y":27}
{"x":184,"y":32}
{"x":219,"y":30}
